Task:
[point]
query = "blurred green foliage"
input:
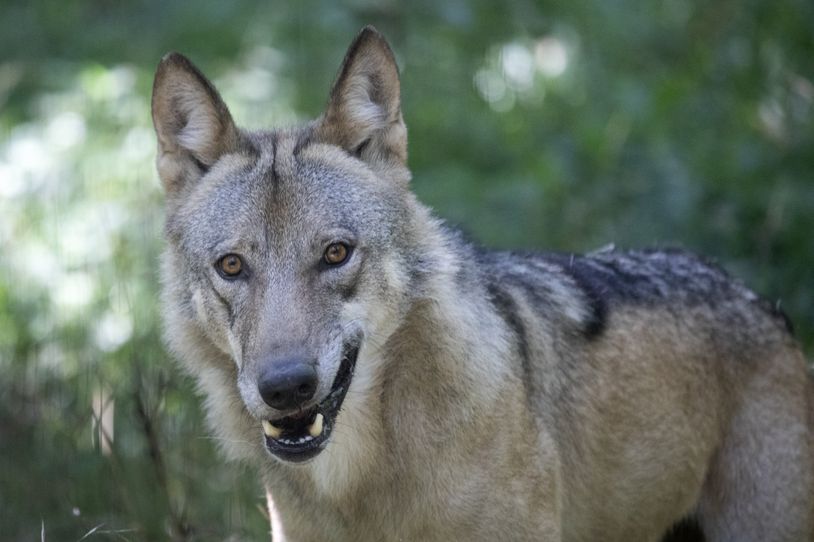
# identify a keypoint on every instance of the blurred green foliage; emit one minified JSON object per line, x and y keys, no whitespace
{"x":558,"y":125}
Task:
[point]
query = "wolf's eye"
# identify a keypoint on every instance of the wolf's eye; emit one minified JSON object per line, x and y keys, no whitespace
{"x":230,"y":266}
{"x":336,"y":253}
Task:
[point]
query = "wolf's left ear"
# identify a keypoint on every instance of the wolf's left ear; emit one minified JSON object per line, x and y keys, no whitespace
{"x":193,"y":125}
{"x":364,"y":108}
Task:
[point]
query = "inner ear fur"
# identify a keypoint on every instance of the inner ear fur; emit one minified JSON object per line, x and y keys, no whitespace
{"x":193,"y":126}
{"x":363,"y":115}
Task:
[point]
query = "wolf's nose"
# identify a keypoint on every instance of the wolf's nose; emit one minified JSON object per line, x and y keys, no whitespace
{"x":288,"y":384}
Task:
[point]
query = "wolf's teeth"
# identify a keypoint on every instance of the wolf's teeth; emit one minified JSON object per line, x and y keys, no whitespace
{"x":315,"y":429}
{"x":271,"y":430}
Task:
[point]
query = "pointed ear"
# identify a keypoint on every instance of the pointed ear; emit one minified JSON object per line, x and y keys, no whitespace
{"x":364,"y":108}
{"x":193,"y":125}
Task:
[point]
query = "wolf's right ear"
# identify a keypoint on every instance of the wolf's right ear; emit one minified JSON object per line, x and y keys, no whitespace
{"x":193,"y":125}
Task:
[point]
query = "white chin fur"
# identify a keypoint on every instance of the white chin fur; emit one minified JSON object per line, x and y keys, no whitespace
{"x":354,"y":443}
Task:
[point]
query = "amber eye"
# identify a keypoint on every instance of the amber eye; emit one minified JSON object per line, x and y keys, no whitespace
{"x":336,"y":253}
{"x":230,"y":266}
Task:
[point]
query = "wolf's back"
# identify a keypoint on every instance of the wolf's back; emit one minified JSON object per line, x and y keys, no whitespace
{"x":592,"y":288}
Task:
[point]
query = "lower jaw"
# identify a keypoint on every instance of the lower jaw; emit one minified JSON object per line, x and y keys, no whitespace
{"x":293,"y":455}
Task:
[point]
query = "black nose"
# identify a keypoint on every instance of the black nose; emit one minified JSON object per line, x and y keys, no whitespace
{"x":287,"y":384}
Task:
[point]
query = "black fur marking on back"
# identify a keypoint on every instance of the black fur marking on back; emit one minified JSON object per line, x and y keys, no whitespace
{"x":595,"y":291}
{"x":603,"y":280}
{"x":507,"y":308}
{"x":606,"y":278}
{"x":520,"y":270}
{"x":686,"y":530}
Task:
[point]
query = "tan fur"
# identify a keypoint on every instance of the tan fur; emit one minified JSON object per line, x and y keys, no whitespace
{"x":495,"y":396}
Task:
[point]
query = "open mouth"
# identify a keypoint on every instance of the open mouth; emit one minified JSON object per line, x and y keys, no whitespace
{"x":301,"y":436}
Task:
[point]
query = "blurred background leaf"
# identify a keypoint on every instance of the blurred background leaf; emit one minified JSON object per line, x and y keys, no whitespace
{"x":546,"y":125}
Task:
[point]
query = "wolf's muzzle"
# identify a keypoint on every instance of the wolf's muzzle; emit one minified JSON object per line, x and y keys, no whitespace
{"x":302,"y":435}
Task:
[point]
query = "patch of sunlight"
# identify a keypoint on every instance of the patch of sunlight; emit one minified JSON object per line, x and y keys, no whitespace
{"x":73,"y":292}
{"x":27,"y":161}
{"x":112,"y":330}
{"x":551,"y":56}
{"x":66,"y":130}
{"x":520,"y":71}
{"x":255,"y":92}
{"x":86,"y":234}
{"x":138,"y":145}
{"x":772,"y":119}
{"x":254,"y":84}
{"x":492,"y":88}
{"x":35,"y":153}
{"x":13,"y":181}
{"x":265,"y":56}
{"x":37,"y":261}
{"x":518,"y":66}
{"x":103,"y":84}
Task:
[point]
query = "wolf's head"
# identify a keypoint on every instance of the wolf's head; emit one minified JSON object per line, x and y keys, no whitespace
{"x":289,"y":252}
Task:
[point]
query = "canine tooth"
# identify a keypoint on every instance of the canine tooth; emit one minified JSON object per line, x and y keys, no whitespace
{"x":315,"y":429}
{"x":271,"y":430}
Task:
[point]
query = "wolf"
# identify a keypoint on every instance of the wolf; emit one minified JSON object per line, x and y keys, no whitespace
{"x":391,"y":381}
